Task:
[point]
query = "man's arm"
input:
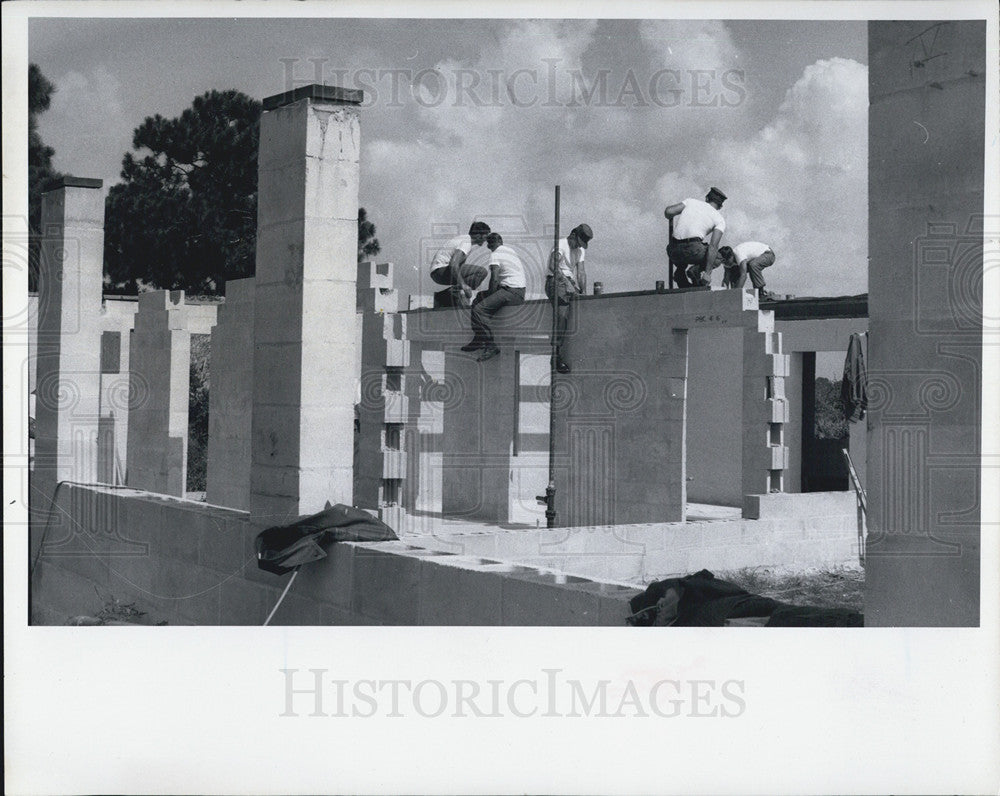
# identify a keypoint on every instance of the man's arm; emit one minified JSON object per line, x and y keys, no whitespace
{"x":673,"y":210}
{"x":581,"y":277}
{"x":713,"y":250}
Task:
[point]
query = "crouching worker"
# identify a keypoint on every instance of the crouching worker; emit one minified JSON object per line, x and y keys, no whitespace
{"x":450,"y":268}
{"x":747,"y":259}
{"x":507,"y":284}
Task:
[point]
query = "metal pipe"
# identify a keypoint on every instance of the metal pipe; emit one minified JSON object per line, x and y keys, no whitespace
{"x":670,"y":265}
{"x":550,"y":490}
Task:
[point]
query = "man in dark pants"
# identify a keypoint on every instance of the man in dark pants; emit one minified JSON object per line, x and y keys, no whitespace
{"x":567,"y":276}
{"x":507,"y":284}
{"x":694,"y":245}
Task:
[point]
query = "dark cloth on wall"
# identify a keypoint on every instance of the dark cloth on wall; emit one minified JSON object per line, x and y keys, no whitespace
{"x":854,"y":387}
{"x":284,"y":547}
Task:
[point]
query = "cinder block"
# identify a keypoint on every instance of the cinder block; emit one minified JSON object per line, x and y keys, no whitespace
{"x":779,"y":410}
{"x":244,"y":603}
{"x":227,"y":545}
{"x":329,"y":580}
{"x":188,"y":591}
{"x":452,"y":594}
{"x":295,"y":610}
{"x":541,"y":601}
{"x":65,"y":592}
{"x":779,"y":457}
{"x":386,"y":586}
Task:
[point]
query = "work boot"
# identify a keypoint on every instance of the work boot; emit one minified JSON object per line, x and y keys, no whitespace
{"x":488,"y":353}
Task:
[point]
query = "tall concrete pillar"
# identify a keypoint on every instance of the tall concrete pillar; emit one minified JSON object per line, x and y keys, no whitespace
{"x":926,"y":227}
{"x":159,"y":384}
{"x":230,"y":399}
{"x":305,"y":348}
{"x":69,"y":336}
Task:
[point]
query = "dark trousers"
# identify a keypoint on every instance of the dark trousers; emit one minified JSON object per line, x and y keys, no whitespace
{"x":683,"y":253}
{"x":564,"y":307}
{"x":485,"y":307}
{"x":756,"y":266}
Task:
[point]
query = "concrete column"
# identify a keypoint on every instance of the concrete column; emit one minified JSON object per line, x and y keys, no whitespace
{"x":305,"y":345}
{"x":230,"y":399}
{"x":159,"y":384}
{"x":69,"y":336}
{"x":925,"y":303}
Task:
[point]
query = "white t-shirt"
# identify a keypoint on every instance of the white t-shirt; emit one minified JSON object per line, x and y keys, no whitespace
{"x":462,"y":243}
{"x":510,"y":269}
{"x":749,"y":250}
{"x":569,"y":260}
{"x":697,"y":220}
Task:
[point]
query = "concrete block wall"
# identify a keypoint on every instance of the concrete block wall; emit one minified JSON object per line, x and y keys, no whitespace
{"x":231,"y":399}
{"x":159,"y":380}
{"x":816,"y":530}
{"x":188,"y":563}
{"x":621,"y":412}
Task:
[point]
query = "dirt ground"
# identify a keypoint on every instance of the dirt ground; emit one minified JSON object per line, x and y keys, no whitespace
{"x":838,"y":587}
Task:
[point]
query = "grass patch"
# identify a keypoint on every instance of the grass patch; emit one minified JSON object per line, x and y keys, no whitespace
{"x":836,"y":587}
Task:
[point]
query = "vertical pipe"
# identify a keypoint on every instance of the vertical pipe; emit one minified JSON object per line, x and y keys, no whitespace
{"x":670,"y":265}
{"x":550,"y":490}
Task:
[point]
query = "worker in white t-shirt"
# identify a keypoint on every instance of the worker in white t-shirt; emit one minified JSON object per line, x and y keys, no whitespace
{"x":507,"y":286}
{"x":449,"y":267}
{"x":567,"y":277}
{"x":749,"y":258}
{"x":694,"y":244}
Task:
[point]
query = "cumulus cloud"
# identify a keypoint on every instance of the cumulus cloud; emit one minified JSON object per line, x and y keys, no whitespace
{"x":798,"y":183}
{"x":85,"y":107}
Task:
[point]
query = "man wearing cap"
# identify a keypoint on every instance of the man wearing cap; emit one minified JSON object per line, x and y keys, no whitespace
{"x":698,"y":228}
{"x":750,"y":258}
{"x":566,"y":279}
{"x":507,"y":285}
{"x":449,"y":267}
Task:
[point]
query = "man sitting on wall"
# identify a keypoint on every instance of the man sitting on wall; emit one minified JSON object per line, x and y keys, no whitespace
{"x":750,"y":258}
{"x":449,"y":267}
{"x":507,"y":285}
{"x":694,"y":244}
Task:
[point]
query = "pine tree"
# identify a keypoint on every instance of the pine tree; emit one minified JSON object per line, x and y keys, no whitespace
{"x":41,"y":175}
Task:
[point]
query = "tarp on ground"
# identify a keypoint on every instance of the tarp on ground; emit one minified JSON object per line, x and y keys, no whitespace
{"x":703,"y":600}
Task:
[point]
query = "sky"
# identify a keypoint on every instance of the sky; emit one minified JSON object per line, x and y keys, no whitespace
{"x":470,"y":119}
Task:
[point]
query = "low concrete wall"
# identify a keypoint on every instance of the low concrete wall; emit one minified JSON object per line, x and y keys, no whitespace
{"x":190,"y":563}
{"x":781,"y":531}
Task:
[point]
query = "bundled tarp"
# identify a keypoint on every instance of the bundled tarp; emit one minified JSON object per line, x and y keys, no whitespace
{"x":703,"y":600}
{"x":284,"y":548}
